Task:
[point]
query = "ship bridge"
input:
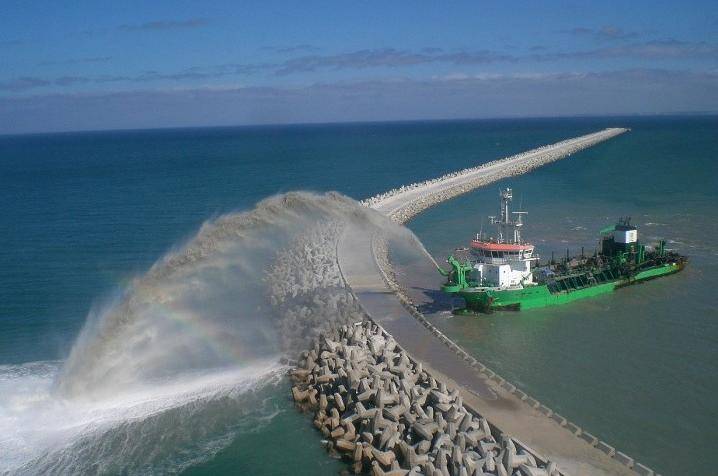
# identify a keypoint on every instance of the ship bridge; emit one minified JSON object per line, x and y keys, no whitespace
{"x":504,"y":261}
{"x":502,"y":251}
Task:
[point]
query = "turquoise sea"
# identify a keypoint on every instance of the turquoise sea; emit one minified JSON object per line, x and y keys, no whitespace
{"x":84,"y":213}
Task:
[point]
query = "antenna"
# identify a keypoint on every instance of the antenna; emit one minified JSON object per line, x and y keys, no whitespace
{"x":518,"y":223}
{"x":504,"y":221}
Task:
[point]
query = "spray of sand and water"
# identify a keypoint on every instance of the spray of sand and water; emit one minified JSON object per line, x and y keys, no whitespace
{"x":164,"y":372}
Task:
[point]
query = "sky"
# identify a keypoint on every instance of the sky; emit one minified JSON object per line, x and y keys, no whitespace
{"x":94,"y":65}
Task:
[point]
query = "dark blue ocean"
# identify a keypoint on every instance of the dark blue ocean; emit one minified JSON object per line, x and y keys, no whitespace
{"x":82,"y":214}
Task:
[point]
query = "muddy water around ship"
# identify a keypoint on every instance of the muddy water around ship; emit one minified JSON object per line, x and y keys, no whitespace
{"x":638,"y":367}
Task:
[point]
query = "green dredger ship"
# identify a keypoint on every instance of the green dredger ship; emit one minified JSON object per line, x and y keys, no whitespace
{"x":502,"y":273}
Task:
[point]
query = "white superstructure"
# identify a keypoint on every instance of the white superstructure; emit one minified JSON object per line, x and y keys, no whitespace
{"x":505,"y":261}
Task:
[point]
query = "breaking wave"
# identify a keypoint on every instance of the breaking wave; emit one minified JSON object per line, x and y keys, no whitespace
{"x":168,"y":362}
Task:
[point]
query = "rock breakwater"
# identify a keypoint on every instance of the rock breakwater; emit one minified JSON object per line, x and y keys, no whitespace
{"x":403,"y":203}
{"x":384,"y":413}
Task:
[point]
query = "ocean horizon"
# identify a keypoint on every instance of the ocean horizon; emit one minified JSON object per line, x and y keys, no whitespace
{"x":618,"y":116}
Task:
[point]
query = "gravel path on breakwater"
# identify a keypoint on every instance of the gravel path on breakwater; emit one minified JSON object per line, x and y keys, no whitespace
{"x":381,"y":411}
{"x":403,"y":203}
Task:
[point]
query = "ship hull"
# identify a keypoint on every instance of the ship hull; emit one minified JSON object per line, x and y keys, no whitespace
{"x":531,"y":297}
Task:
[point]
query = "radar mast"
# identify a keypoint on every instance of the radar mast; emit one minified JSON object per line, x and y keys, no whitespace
{"x":505,"y":224}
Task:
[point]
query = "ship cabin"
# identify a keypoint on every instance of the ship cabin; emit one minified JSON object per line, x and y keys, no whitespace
{"x":621,"y":240}
{"x":502,"y":265}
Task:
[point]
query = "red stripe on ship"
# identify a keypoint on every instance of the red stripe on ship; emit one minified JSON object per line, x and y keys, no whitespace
{"x":484,"y":245}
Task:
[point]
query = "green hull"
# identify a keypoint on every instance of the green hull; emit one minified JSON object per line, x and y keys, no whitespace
{"x":531,"y":297}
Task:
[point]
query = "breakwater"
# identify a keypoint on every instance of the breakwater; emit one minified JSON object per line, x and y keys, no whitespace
{"x":406,"y":202}
{"x":382,"y":411}
{"x":403,"y":203}
{"x":365,"y":268}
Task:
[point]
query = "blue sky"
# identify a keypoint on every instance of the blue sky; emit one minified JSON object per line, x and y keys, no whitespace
{"x":95,"y":65}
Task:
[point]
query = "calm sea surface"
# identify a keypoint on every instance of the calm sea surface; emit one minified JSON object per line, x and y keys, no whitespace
{"x":83,"y":213}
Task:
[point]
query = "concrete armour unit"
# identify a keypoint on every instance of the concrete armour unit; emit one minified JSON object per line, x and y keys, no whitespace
{"x":412,"y":423}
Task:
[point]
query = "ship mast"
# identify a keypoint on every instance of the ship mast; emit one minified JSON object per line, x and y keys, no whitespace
{"x":517,"y":226}
{"x":505,"y":224}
